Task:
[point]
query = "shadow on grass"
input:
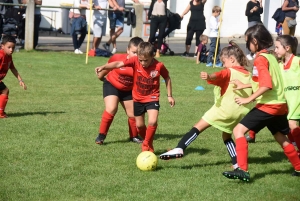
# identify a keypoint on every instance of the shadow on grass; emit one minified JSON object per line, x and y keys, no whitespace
{"x":275,"y":156}
{"x":20,"y":114}
{"x":116,"y":141}
{"x":271,"y":172}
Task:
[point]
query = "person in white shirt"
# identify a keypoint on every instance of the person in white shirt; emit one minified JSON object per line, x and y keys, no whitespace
{"x":213,"y":35}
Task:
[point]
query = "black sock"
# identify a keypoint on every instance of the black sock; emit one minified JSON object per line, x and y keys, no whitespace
{"x":188,"y":138}
{"x":230,"y":145}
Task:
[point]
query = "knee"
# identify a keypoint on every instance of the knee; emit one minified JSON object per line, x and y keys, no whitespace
{"x":5,"y":91}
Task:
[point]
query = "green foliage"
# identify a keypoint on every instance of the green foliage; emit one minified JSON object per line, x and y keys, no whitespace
{"x":48,"y":152}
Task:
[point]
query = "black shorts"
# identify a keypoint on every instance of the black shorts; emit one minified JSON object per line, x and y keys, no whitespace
{"x":256,"y":120}
{"x":109,"y":89}
{"x":2,"y":86}
{"x":141,"y":108}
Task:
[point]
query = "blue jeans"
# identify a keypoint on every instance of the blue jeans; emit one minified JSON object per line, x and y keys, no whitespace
{"x":212,"y":49}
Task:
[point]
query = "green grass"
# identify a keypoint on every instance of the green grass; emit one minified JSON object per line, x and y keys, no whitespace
{"x":48,"y":152}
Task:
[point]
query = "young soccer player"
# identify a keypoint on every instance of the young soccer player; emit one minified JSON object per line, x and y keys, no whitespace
{"x":145,"y":93}
{"x":117,"y":87}
{"x":7,"y":49}
{"x":286,"y":49}
{"x":214,"y":22}
{"x":271,"y":108}
{"x":218,"y":115}
{"x":201,"y":50}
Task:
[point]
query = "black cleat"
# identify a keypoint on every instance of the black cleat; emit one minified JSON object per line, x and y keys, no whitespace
{"x":250,"y":139}
{"x":296,"y":173}
{"x":100,"y":139}
{"x":237,"y":174}
{"x":137,"y":140}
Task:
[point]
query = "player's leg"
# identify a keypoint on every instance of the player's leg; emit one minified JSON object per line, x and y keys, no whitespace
{"x":279,"y":127}
{"x":139,"y":110}
{"x":230,"y":145}
{"x":111,"y":101}
{"x":151,"y":128}
{"x":127,"y":104}
{"x":186,"y":140}
{"x":294,"y":135}
{"x":4,"y":91}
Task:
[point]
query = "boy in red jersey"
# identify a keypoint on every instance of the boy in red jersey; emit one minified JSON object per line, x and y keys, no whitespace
{"x":145,"y":93}
{"x":117,"y":87}
{"x":6,"y":63}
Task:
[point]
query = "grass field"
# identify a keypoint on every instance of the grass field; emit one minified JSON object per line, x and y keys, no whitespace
{"x":48,"y":152}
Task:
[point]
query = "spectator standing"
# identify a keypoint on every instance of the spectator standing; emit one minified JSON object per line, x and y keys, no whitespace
{"x":158,"y":20}
{"x":290,"y":8}
{"x":37,"y":22}
{"x":99,"y":28}
{"x":78,"y":19}
{"x":253,"y":11}
{"x":196,"y":24}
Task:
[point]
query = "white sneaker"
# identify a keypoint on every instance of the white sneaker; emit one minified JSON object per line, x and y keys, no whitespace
{"x":174,"y":153}
{"x":114,"y":51}
{"x":77,"y":51}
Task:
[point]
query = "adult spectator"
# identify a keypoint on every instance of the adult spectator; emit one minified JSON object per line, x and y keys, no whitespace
{"x":99,"y":28}
{"x":196,"y":24}
{"x":290,"y":8}
{"x":254,"y":9}
{"x":78,"y":18}
{"x":158,"y":20}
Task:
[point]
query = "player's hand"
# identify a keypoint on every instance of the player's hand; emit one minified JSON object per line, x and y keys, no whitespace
{"x":22,"y":84}
{"x":171,"y":101}
{"x":204,"y":75}
{"x":98,"y":69}
{"x":237,"y":84}
{"x":242,"y":101}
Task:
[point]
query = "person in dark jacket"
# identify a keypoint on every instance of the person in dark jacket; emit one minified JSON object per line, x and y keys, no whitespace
{"x":253,"y":11}
{"x":158,"y":20}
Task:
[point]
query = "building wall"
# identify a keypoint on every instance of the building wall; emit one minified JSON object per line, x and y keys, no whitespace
{"x":234,"y":20}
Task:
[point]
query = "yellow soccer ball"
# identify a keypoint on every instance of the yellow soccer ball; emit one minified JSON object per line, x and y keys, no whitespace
{"x":146,"y":161}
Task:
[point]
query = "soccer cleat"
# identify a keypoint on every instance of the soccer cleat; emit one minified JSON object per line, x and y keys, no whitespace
{"x":209,"y":64}
{"x":250,"y":139}
{"x":296,"y":173}
{"x":3,"y":115}
{"x":174,"y":153}
{"x":100,"y":139}
{"x":136,"y":139}
{"x":238,"y":173}
{"x":185,"y":54}
{"x":114,"y":51}
{"x":105,"y":46}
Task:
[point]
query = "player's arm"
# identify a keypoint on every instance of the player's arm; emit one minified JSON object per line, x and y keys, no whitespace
{"x":109,"y":66}
{"x":18,"y":76}
{"x":240,"y":85}
{"x":169,"y":91}
{"x":102,"y":74}
{"x":206,"y":76}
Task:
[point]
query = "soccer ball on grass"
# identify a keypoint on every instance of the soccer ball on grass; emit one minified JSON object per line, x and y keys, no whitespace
{"x":146,"y":161}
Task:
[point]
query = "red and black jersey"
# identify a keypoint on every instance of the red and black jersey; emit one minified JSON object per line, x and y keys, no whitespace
{"x":6,"y":63}
{"x":120,"y":78}
{"x":146,"y":80}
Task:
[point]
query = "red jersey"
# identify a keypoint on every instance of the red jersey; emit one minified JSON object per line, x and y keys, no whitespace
{"x":262,"y":75}
{"x":120,"y":78}
{"x":223,"y":78}
{"x":5,"y":64}
{"x":146,"y":80}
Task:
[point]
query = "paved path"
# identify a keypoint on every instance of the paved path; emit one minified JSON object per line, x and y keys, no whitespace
{"x":52,"y":41}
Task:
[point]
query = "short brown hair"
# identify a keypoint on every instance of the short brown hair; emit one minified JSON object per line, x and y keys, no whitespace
{"x":145,"y":49}
{"x":203,"y":37}
{"x":216,"y":9}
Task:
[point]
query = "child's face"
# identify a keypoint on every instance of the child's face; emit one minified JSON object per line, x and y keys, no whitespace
{"x":227,"y":61}
{"x":8,"y":48}
{"x":205,"y":41}
{"x":145,"y":60}
{"x":253,"y":46}
{"x":216,"y":14}
{"x":280,"y":50}
{"x":132,"y":51}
